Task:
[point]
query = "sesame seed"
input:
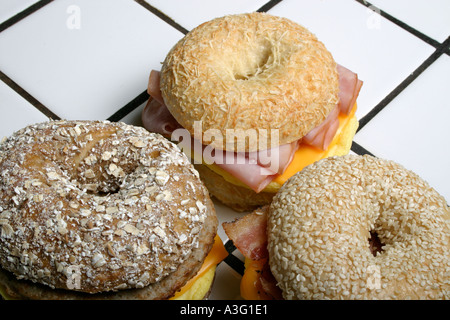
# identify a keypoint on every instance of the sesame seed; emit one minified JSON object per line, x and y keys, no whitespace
{"x":331,"y":206}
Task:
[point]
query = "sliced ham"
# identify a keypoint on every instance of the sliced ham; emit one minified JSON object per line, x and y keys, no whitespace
{"x":157,"y":118}
{"x":277,"y":159}
{"x":321,"y":136}
{"x":349,"y":87}
{"x":248,"y":234}
{"x":248,"y":171}
{"x":255,"y":169}
{"x":153,"y":87}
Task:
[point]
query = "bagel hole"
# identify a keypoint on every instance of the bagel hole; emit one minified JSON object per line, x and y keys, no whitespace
{"x":102,"y":193}
{"x":106,"y":191}
{"x":375,"y":244}
{"x":256,"y":63}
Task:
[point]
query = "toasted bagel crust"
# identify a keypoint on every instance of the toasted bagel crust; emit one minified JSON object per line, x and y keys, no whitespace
{"x":319,"y":224}
{"x":250,"y":71}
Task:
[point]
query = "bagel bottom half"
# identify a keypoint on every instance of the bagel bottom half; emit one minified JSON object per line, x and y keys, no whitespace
{"x":197,"y":288}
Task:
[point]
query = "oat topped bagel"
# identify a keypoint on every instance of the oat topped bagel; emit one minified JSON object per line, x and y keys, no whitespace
{"x":119,"y":207}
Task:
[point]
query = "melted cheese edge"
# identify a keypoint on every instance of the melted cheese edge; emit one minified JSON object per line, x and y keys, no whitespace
{"x":306,"y":154}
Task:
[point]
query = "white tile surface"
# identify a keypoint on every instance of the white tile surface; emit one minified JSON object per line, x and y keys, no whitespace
{"x":90,"y":72}
{"x":429,"y":17}
{"x":134,"y":117}
{"x":15,"y":112}
{"x":413,"y":129}
{"x":9,"y":8}
{"x":381,"y":53}
{"x":203,"y":10}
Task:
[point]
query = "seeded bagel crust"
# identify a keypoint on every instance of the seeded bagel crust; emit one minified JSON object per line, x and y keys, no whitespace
{"x":318,"y":231}
{"x":250,"y":71}
{"x":118,"y":206}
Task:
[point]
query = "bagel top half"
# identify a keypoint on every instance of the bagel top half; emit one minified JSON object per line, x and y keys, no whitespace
{"x":250,"y":71}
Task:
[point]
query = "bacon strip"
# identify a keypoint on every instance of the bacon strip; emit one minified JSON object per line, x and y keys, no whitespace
{"x":267,"y":283}
{"x":249,"y":234}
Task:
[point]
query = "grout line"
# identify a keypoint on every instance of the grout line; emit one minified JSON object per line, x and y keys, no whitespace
{"x":129,"y":107}
{"x":400,"y":23}
{"x":443,"y":48}
{"x":269,"y":5}
{"x":234,"y":262}
{"x":23,"y":14}
{"x":24,"y":94}
{"x":229,"y":246}
{"x":358,"y":149}
{"x":162,"y":16}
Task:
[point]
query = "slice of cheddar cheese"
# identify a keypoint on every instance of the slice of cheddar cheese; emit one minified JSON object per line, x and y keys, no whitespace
{"x":253,"y":269}
{"x":306,"y":154}
{"x":197,"y":287}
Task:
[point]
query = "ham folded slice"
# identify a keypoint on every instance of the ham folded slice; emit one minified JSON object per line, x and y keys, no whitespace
{"x":349,"y":87}
{"x":153,"y":87}
{"x":255,"y":169}
{"x":321,"y":136}
{"x":157,"y":118}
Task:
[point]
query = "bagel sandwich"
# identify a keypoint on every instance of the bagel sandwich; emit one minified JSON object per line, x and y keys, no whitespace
{"x":349,"y":227}
{"x":263,"y":98}
{"x":103,"y":210}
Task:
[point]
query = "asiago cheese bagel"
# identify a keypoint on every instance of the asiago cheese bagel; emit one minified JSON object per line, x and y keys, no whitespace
{"x":250,"y":71}
{"x":319,"y":224}
{"x":91,"y":208}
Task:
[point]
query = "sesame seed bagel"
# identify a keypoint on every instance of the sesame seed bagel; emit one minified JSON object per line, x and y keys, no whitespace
{"x":114,"y":205}
{"x":233,"y":72}
{"x":319,"y":224}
